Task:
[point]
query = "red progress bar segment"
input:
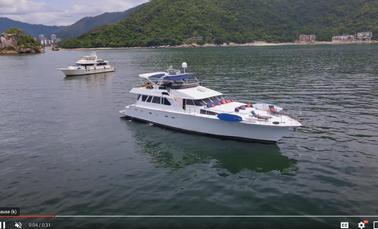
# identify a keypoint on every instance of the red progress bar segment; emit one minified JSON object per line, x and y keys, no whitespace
{"x":52,"y":216}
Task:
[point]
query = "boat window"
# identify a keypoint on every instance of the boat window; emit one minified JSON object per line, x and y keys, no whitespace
{"x":207,"y":100}
{"x":138,"y":97}
{"x":144,"y":97}
{"x":156,"y":99}
{"x":211,"y":113}
{"x":207,"y":112}
{"x":149,"y":99}
{"x":213,"y":99}
{"x":165,"y":93}
{"x":190,"y":102}
{"x":166,"y":102}
{"x":199,"y":103}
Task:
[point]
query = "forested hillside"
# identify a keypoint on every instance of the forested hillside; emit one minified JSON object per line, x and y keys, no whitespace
{"x":173,"y":22}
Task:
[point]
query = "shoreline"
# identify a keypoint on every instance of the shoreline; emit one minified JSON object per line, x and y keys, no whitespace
{"x":251,"y":44}
{"x":15,"y":53}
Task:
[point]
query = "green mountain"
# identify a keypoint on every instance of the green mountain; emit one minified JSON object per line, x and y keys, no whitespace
{"x":172,"y":22}
{"x":88,"y":23}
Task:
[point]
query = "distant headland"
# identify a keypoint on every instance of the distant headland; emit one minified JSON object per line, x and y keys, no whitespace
{"x":15,"y":41}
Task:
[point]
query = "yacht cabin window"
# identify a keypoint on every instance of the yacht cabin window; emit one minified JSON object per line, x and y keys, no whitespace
{"x":156,"y":100}
{"x":189,"y":102}
{"x":199,"y":103}
{"x":215,"y":99}
{"x":165,"y":101}
{"x":194,"y":102}
{"x":207,"y":100}
{"x":207,"y":112}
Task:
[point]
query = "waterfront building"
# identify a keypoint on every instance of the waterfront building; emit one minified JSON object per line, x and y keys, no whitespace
{"x":343,"y":38}
{"x":364,"y":36}
{"x":306,"y":38}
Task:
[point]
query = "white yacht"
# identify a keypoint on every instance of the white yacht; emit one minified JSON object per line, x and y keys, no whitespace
{"x":176,"y":99}
{"x":88,"y":65}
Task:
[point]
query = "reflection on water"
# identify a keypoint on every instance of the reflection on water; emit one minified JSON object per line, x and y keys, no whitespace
{"x":94,"y":82}
{"x":173,"y":149}
{"x":91,"y":77}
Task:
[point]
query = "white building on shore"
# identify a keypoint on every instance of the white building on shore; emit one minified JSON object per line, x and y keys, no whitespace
{"x":306,"y":38}
{"x":343,"y":38}
{"x":364,"y":36}
{"x":358,"y":37}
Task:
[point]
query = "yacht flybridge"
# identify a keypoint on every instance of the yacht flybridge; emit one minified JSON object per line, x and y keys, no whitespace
{"x":176,"y":99}
{"x":88,"y":65}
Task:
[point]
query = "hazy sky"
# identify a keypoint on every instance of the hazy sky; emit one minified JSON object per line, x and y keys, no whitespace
{"x":60,"y":12}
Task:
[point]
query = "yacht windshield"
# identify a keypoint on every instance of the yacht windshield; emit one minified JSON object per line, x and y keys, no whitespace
{"x":180,"y":81}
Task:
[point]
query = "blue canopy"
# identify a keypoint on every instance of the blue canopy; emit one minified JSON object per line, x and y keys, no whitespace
{"x":184,"y":77}
{"x":157,"y":76}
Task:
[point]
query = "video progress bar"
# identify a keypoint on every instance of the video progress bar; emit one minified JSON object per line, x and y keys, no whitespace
{"x":28,"y":217}
{"x":184,"y":216}
{"x":216,"y":216}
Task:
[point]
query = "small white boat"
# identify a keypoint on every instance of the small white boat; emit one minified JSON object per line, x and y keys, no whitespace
{"x":88,"y":65}
{"x":176,"y":99}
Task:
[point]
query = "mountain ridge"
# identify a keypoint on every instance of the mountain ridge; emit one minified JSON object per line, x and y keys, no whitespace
{"x":166,"y":22}
{"x":70,"y":31}
{"x":32,"y":29}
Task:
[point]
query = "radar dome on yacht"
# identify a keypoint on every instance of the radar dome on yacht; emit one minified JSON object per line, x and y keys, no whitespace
{"x":184,"y":66}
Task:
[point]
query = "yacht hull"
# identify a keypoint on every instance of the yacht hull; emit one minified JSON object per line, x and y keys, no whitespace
{"x":80,"y":72}
{"x":208,"y":126}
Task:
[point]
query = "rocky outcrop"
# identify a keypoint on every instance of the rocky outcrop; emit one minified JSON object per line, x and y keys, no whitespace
{"x":14,"y":41}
